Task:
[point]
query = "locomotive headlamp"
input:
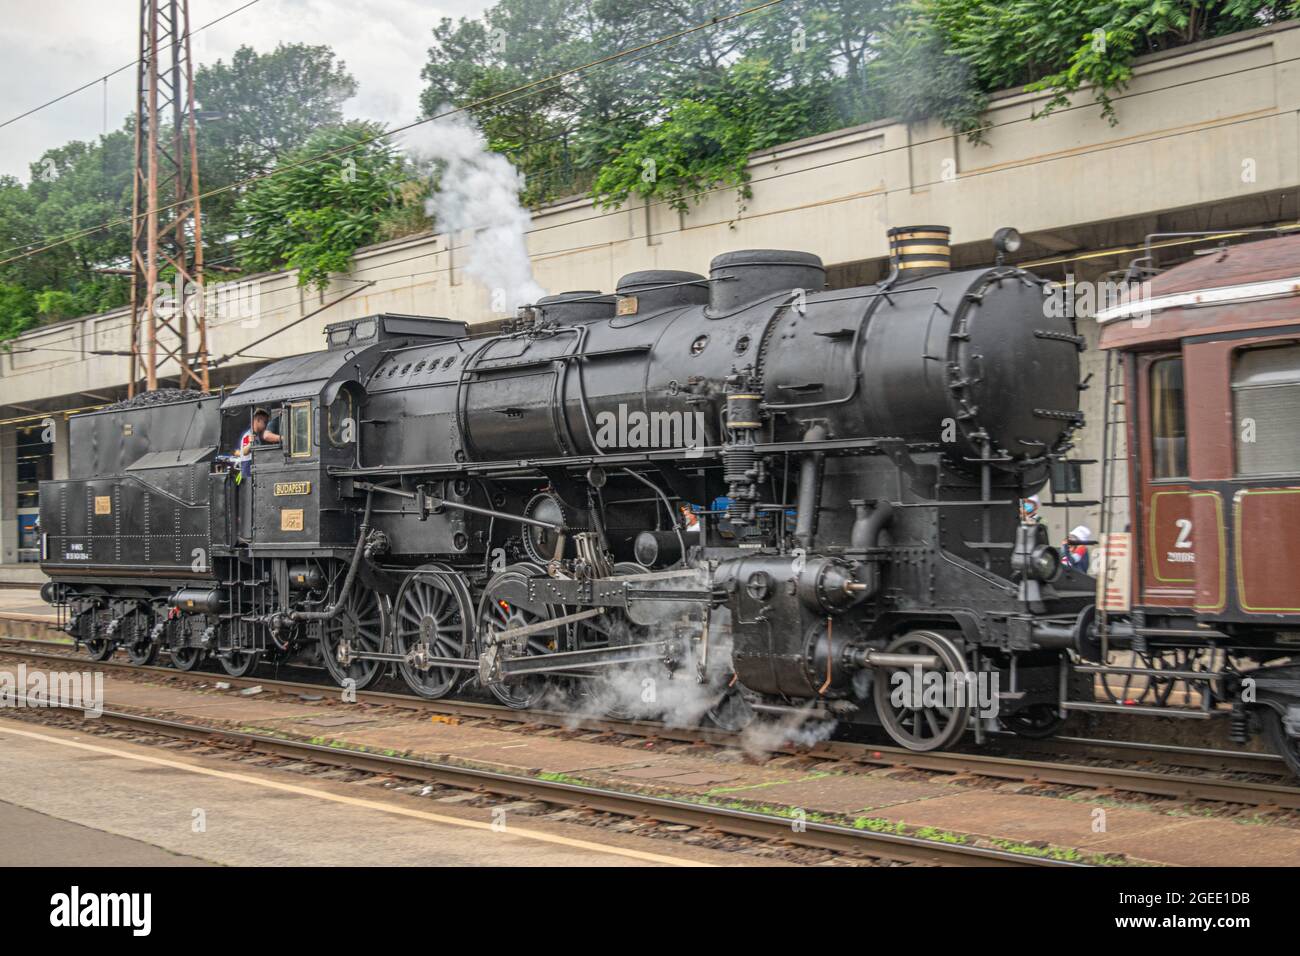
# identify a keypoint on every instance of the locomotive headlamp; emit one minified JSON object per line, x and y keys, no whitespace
{"x":1044,"y":563}
{"x":1006,"y":240}
{"x":1032,"y":558}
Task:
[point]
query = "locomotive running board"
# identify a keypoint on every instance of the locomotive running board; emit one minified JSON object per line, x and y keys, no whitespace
{"x":651,"y":457}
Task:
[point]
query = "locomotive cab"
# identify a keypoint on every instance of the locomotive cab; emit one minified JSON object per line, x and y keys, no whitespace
{"x":286,"y":502}
{"x":289,"y":504}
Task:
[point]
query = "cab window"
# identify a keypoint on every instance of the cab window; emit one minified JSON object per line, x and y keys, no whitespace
{"x":1265,"y":407}
{"x":300,"y":430}
{"x":342,"y":425}
{"x":1168,"y":419}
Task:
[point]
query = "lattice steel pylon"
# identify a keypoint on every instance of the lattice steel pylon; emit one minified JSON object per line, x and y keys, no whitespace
{"x":167,"y":322}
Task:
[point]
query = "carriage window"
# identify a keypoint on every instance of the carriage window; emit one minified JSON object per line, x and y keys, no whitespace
{"x":1265,"y":405}
{"x":1168,"y":420}
{"x":342,"y":424}
{"x":300,"y":429}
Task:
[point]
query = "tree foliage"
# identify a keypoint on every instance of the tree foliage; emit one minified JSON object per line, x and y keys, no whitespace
{"x":316,"y":213}
{"x":945,"y":56}
{"x":703,"y":140}
{"x":73,"y":189}
{"x":17,"y":310}
{"x":667,"y":123}
{"x":255,"y":109}
{"x":696,"y":103}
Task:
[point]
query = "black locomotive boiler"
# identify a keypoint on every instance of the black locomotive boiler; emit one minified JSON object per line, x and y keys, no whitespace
{"x":781,"y":496}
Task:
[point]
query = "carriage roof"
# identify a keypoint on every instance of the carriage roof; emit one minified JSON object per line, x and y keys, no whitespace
{"x":1246,"y":286}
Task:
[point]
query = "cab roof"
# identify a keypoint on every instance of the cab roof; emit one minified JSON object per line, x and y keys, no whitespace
{"x":301,"y":376}
{"x":355,"y":347}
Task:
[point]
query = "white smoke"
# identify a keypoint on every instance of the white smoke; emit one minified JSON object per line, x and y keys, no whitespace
{"x":795,"y":729}
{"x":692,"y":692}
{"x":478,"y":194}
{"x":678,"y":698}
{"x":652,"y":691}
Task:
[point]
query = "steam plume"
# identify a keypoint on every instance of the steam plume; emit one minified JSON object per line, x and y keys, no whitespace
{"x":478,"y":193}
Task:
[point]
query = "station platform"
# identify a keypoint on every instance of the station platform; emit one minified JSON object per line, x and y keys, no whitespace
{"x":21,"y":574}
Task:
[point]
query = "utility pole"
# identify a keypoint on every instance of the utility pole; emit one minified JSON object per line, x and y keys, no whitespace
{"x":167,"y":322}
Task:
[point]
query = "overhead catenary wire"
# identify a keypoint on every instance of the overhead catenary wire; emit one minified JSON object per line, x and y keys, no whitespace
{"x":121,"y":69}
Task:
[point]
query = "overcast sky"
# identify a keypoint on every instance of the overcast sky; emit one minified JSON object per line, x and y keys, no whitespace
{"x":48,"y":47}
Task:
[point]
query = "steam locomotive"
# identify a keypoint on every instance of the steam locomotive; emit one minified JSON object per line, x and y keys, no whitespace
{"x":788,"y":500}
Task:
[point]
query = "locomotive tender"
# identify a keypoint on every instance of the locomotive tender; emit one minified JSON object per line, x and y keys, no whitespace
{"x":509,"y":508}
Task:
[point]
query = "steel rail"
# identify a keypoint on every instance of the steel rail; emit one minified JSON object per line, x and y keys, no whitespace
{"x":746,"y":823}
{"x":1149,"y":782}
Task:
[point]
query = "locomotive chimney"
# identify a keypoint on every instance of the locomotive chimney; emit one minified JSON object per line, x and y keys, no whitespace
{"x":919,"y":250}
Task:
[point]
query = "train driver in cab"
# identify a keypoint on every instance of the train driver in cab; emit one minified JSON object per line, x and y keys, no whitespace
{"x":258,"y":434}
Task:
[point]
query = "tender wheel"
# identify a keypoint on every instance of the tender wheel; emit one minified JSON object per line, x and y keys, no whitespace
{"x":141,"y":649}
{"x":1288,"y":747}
{"x":100,"y":648}
{"x":85,"y":627}
{"x":186,"y":658}
{"x":906,"y":716}
{"x":506,"y":604}
{"x":142,"y":652}
{"x":358,"y":627}
{"x":433,"y":617}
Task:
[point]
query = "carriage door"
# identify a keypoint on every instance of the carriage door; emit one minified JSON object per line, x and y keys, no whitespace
{"x":1266,"y":477}
{"x":1168,"y":570}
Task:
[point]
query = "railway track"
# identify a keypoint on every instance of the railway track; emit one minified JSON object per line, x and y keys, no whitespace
{"x":1006,"y":768}
{"x":893,"y":847}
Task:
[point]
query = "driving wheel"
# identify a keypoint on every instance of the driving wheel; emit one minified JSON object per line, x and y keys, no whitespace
{"x":433,"y":617}
{"x":919,"y":710}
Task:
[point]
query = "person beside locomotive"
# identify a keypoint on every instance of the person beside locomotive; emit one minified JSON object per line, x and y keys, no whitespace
{"x":1074,"y":553}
